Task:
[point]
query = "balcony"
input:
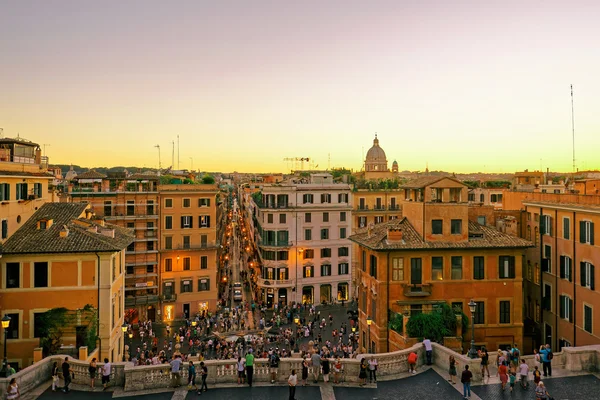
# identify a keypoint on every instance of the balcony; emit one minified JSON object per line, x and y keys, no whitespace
{"x":274,"y":283}
{"x":169,"y":298}
{"x":417,"y":290}
{"x":274,"y":244}
{"x":132,"y":252}
{"x":391,"y":207}
{"x":273,"y":206}
{"x":141,"y":300}
{"x":131,"y":216}
{"x":195,"y":246}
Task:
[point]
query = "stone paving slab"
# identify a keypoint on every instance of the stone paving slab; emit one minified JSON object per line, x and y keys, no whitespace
{"x":257,"y":393}
{"x":568,"y":388}
{"x":423,"y":386}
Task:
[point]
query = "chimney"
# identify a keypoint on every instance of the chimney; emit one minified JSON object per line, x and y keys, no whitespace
{"x":108,"y":233}
{"x":64,"y":232}
{"x":394,"y":235}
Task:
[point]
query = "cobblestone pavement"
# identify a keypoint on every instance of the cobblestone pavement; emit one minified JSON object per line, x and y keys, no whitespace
{"x":568,"y":388}
{"x":424,"y":386}
{"x":257,"y":393}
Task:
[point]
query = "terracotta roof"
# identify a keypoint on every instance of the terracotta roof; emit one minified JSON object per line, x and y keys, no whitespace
{"x":91,"y":174}
{"x":142,"y":177}
{"x":411,"y":239}
{"x":40,"y":174}
{"x":84,"y":235}
{"x":425,"y":181}
{"x":556,"y":204}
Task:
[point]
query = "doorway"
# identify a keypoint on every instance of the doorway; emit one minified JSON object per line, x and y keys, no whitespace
{"x":186,"y":310}
{"x":325,"y":293}
{"x":151,"y":313}
{"x":282,"y":296}
{"x":307,"y":294}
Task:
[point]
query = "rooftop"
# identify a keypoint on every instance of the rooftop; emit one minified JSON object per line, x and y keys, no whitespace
{"x":563,"y":205}
{"x":425,"y":181}
{"x":91,"y":174}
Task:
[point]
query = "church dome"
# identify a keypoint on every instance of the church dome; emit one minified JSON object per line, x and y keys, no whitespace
{"x":376,"y":153}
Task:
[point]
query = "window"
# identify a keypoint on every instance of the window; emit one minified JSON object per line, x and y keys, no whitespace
{"x":536,"y":234}
{"x":186,"y":221}
{"x":482,"y":198}
{"x":479,"y":317}
{"x":282,"y":255}
{"x":282,"y":273}
{"x":107,"y":208}
{"x":343,"y":251}
{"x":506,"y":266}
{"x":21,"y":191}
{"x":478,"y":267}
{"x":456,"y":226}
{"x":505,"y":312}
{"x":343,"y":198}
{"x":4,"y":229}
{"x":471,"y":196}
{"x":566,"y":228}
{"x":343,"y":216}
{"x":13,"y":328}
{"x":130,"y":207}
{"x":203,"y":284}
{"x":38,"y":321}
{"x":149,"y":269}
{"x":149,"y":246}
{"x":186,"y":242}
{"x":203,"y":262}
{"x":342,"y":233}
{"x":129,"y":270}
{"x":13,"y":275}
{"x":456,"y":262}
{"x":168,"y":264}
{"x":436,"y":226}
{"x":325,"y":253}
{"x":325,"y":217}
{"x":204,"y":221}
{"x":586,"y":232}
{"x":269,"y":218}
{"x":187,"y":263}
{"x":308,"y":271}
{"x":373,"y":266}
{"x":397,"y":269}
{"x":326,"y":270}
{"x":529,"y":271}
{"x":186,"y":286}
{"x":4,"y":191}
{"x":169,"y":222}
{"x":364,"y":262}
{"x":168,"y":242}
{"x":168,"y":203}
{"x":324,"y":234}
{"x":308,"y":234}
{"x":131,"y":246}
{"x":536,"y":217}
{"x":437,"y":268}
{"x":528,"y":235}
{"x":587,"y":275}
{"x":282,"y":238}
{"x":546,"y":225}
{"x":307,"y":217}
{"x":187,"y":203}
{"x":282,"y":218}
{"x":40,"y":274}
{"x":203,"y":202}
{"x":343,"y":269}
{"x":496,"y":198}
{"x":587,"y":318}
{"x":307,"y":198}
{"x":566,"y":308}
{"x":203,"y":241}
{"x":566,"y":268}
{"x":325,"y":198}
{"x":362,"y":222}
{"x":308,"y":254}
{"x":547,"y":260}
{"x":378,"y":219}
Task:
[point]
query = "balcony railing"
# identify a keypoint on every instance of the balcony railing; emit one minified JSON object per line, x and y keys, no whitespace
{"x":134,"y":216}
{"x":260,"y":204}
{"x":417,"y":290}
{"x":169,"y":298}
{"x":394,"y":207}
{"x":275,"y":283}
{"x":141,"y":300}
{"x":274,"y":244}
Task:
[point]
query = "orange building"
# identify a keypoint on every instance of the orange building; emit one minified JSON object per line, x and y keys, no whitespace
{"x":188,"y":249}
{"x":435,"y":255}
{"x":61,"y":257}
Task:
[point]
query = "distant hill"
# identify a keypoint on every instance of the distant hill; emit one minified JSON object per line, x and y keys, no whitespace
{"x":104,"y":170}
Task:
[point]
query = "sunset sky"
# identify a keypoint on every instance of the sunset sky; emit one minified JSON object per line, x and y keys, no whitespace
{"x":465,"y":86}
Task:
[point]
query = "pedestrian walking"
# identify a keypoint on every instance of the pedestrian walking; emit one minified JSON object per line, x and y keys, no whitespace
{"x":54,"y":376}
{"x":372,"y":370}
{"x":503,"y":372}
{"x":106,"y":369}
{"x":273,"y":365}
{"x":204,"y":375}
{"x":292,"y":382}
{"x":249,"y":366}
{"x":241,"y":366}
{"x":304,"y":371}
{"x":316,"y":364}
{"x":466,"y":381}
{"x":192,"y":376}
{"x":326,"y":367}
{"x":67,"y":371}
{"x":12,"y":391}
{"x":362,"y":375}
{"x":92,"y":370}
{"x":524,"y":372}
{"x":175,"y":371}
{"x":428,"y":350}
{"x":485,"y":358}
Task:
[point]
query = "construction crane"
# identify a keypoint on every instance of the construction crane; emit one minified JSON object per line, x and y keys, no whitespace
{"x":297,"y":160}
{"x":159,"y":164}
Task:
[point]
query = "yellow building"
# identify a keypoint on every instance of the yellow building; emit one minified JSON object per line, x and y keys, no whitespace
{"x":24,"y":182}
{"x":54,"y":260}
{"x":188,"y":249}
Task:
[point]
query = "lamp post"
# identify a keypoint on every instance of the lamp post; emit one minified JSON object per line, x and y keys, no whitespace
{"x":5,"y":325}
{"x":353,"y":337}
{"x":193,"y":349}
{"x":297,"y":322}
{"x":124,"y":328}
{"x":130,"y":343}
{"x":369,"y":322}
{"x":472,"y":307}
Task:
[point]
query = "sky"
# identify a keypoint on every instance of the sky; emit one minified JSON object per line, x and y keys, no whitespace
{"x":462,"y":86}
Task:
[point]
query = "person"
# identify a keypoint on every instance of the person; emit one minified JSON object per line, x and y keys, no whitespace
{"x":326,"y":368}
{"x":92,"y":370}
{"x":523,"y":372}
{"x":452,"y":369}
{"x":465,"y":378}
{"x":512,"y":378}
{"x":485,"y":358}
{"x":499,"y":360}
{"x":412,"y":362}
{"x":503,"y":372}
{"x":428,"y":350}
{"x":67,"y":371}
{"x":106,"y":368}
{"x":12,"y":391}
{"x":204,"y":375}
{"x":316,"y":363}
{"x":337,"y":370}
{"x":546,"y":356}
{"x":241,"y":366}
{"x":362,"y":375}
{"x":304,"y":371}
{"x":536,"y":357}
{"x":515,"y":357}
{"x":249,"y":366}
{"x":540,"y":391}
{"x":537,"y":375}
{"x":175,"y":371}
{"x":373,"y":370}
{"x":54,"y":376}
{"x":192,"y":376}
{"x":292,"y":382}
{"x":10,"y":370}
{"x":274,"y":365}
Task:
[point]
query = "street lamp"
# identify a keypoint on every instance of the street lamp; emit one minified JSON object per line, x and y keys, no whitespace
{"x":5,"y":324}
{"x":124,"y":328}
{"x":369,"y":322}
{"x":472,"y":307}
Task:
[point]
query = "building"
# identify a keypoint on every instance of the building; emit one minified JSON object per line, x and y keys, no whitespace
{"x":375,"y":206}
{"x":24,"y":183}
{"x":376,"y":164}
{"x":129,"y":201}
{"x":587,"y":186}
{"x":54,"y":260}
{"x":301,"y":229}
{"x":486,"y":197}
{"x":435,"y":255}
{"x":188,"y":249}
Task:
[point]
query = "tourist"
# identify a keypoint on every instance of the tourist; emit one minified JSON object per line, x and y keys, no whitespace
{"x":452,"y":369}
{"x":316,"y":364}
{"x":428,"y":350}
{"x":546,"y":356}
{"x":337,"y":370}
{"x":412,"y":362}
{"x":67,"y":371}
{"x":362,"y":375}
{"x":537,"y":375}
{"x":292,"y":382}
{"x":204,"y":375}
{"x":12,"y":391}
{"x":326,"y":368}
{"x":241,"y":366}
{"x":273,"y":364}
{"x":304,"y":371}
{"x":524,"y":371}
{"x":485,"y":357}
{"x":92,"y":370}
{"x":372,"y":370}
{"x":515,"y":355}
{"x":54,"y":376}
{"x":175,"y":371}
{"x":503,"y":372}
{"x":192,"y":376}
{"x":249,"y":366}
{"x":499,"y":360}
{"x":536,"y":357}
{"x":466,"y":381}
{"x":106,"y":369}
{"x":540,"y":391}
{"x":512,"y":378}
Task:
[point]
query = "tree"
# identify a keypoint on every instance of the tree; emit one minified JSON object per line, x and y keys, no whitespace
{"x":54,"y":323}
{"x":207,"y":179}
{"x":435,"y":325}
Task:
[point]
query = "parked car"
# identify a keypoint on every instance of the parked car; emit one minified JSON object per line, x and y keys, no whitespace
{"x":237,"y":295}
